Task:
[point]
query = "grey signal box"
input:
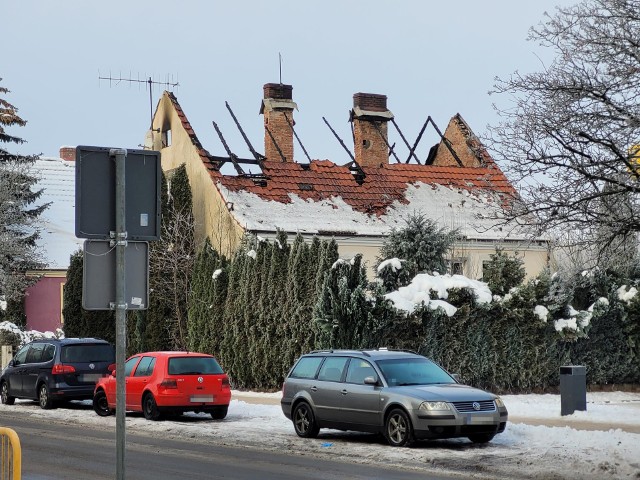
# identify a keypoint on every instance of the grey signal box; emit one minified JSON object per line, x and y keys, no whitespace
{"x":99,"y":275}
{"x":95,"y":193}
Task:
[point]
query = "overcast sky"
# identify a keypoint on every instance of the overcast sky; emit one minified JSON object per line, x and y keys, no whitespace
{"x":429,"y":58}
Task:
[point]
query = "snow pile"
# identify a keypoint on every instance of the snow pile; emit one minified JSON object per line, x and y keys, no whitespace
{"x":542,"y":312}
{"x":29,"y":335}
{"x":252,"y":253}
{"x":418,"y":292}
{"x":217,"y":273}
{"x":395,"y":263}
{"x":3,"y":304}
{"x":627,"y":295}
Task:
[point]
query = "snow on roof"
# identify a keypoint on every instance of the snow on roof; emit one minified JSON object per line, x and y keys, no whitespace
{"x":56,"y":178}
{"x":449,"y":207}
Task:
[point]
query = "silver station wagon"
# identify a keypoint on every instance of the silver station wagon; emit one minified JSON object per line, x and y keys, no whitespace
{"x":400,"y":394}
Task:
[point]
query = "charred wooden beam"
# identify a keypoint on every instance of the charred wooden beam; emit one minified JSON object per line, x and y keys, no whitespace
{"x":339,"y":140}
{"x":446,"y":142}
{"x":384,"y":139}
{"x":255,"y":154}
{"x":393,"y":120}
{"x":232,"y":156}
{"x":273,"y":139}
{"x":296,"y":135}
{"x":415,"y":144}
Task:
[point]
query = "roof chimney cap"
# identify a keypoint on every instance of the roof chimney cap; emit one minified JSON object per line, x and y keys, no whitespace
{"x":278,"y":91}
{"x":371,"y":102}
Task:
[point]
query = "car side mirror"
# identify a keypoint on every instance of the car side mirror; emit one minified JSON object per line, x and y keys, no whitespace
{"x":456,"y":377}
{"x":113,"y":372}
{"x":371,"y":380}
{"x":13,"y":363}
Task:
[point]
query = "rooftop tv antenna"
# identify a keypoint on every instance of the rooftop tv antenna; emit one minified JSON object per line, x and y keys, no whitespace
{"x":169,"y":84}
{"x":280,"y":66}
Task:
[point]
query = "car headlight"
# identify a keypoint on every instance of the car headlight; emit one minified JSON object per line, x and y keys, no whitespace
{"x":434,"y":406}
{"x":499,"y":402}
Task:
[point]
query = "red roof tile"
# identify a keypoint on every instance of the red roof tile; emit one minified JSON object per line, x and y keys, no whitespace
{"x":323,"y":179}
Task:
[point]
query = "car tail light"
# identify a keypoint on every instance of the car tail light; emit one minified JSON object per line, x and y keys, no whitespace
{"x":60,"y":369}
{"x":169,"y":383}
{"x":225,"y":382}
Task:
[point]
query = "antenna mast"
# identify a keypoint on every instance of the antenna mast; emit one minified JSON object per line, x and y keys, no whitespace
{"x":169,"y":83}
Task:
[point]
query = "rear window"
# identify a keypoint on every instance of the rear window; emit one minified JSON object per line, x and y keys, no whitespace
{"x":91,"y":352}
{"x":306,"y":367}
{"x":194,"y":366}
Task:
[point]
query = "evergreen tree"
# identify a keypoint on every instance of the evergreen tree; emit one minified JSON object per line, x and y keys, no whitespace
{"x":19,"y":228}
{"x":422,"y":247}
{"x":79,"y":322}
{"x":502,"y":272}
{"x":200,"y":310}
{"x":72,"y":298}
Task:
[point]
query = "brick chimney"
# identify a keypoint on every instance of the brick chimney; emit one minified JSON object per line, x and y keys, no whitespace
{"x":68,"y":153}
{"x":276,"y":104}
{"x":370,"y":111}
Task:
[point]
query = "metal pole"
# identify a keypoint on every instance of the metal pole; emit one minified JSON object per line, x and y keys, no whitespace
{"x":121,"y":308}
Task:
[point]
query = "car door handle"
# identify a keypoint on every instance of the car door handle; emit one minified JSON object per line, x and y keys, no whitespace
{"x":344,"y":392}
{"x":314,"y":389}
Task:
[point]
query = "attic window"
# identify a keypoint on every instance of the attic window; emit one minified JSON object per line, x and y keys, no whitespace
{"x":305,"y":186}
{"x":166,"y":138}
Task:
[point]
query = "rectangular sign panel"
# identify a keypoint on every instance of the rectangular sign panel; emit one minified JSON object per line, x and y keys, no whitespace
{"x":99,"y":275}
{"x":95,"y":193}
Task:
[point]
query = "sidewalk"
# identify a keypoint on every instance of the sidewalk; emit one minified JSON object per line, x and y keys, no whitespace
{"x":569,"y":421}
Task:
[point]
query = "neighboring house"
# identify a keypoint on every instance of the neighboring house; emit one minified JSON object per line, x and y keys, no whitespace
{"x":56,"y":179}
{"x":459,"y":186}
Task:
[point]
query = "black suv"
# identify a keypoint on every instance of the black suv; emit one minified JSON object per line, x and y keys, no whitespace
{"x":56,"y":370}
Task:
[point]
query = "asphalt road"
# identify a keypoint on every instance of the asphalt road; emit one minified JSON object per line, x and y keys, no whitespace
{"x":62,"y":451}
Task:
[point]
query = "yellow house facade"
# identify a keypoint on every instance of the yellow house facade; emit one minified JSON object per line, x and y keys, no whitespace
{"x":358,"y":204}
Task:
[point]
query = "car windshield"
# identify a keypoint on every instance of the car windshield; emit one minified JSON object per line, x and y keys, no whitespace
{"x":412,"y":371}
{"x":194,"y":366}
{"x":88,"y":352}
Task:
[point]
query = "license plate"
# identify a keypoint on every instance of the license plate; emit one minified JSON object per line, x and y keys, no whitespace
{"x":201,"y":398}
{"x":480,"y":419}
{"x":89,"y":377}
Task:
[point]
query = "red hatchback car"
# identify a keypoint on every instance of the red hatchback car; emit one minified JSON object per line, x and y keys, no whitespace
{"x":168,"y":382}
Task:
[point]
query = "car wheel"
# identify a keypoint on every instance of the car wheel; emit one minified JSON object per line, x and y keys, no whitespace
{"x":304,"y":421}
{"x":100,"y":404}
{"x":150,"y":408}
{"x":4,"y":394}
{"x":44,"y":399}
{"x":220,"y":412}
{"x":397,"y":429}
{"x":481,"y":437}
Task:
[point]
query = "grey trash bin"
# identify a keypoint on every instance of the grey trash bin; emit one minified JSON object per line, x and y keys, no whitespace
{"x":573,"y":389}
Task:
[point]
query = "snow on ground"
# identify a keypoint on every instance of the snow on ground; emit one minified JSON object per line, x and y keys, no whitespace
{"x":569,"y":451}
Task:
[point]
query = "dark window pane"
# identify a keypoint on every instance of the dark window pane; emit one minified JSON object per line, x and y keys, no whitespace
{"x":194,"y":366}
{"x":332,"y":369}
{"x":413,"y":371}
{"x":35,"y":353}
{"x":143,"y":370}
{"x":87,"y":353}
{"x":49,"y":352}
{"x":307,"y":367}
{"x":128,"y":367}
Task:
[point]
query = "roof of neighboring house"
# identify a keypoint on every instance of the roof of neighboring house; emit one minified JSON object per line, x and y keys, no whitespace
{"x":56,"y":178}
{"x":322,"y":197}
